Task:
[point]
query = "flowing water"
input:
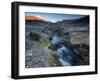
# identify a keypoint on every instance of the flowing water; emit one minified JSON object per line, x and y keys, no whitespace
{"x":66,"y":54}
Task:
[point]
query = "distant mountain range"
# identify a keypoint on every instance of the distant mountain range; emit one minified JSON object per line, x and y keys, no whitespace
{"x":82,"y":20}
{"x":75,"y":22}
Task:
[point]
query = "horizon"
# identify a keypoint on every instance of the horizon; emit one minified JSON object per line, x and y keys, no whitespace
{"x":53,"y":17}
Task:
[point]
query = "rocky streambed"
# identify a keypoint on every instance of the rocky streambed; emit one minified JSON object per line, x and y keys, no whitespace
{"x":44,"y":49}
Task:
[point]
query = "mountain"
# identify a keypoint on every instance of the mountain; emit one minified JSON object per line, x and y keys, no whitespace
{"x":35,"y":18}
{"x":83,"y":20}
{"x":75,"y":22}
{"x":37,"y":21}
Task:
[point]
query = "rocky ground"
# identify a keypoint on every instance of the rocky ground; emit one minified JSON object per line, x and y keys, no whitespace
{"x":39,"y":53}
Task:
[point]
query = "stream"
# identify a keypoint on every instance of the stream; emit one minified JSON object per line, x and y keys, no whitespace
{"x":67,"y":55}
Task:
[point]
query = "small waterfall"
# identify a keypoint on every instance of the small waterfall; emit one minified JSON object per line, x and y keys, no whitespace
{"x":62,"y":51}
{"x":64,"y":57}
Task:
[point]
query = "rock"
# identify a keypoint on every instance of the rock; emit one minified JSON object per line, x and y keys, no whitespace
{"x":34,"y":36}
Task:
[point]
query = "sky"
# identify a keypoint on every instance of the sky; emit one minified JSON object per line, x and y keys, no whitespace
{"x":53,"y":17}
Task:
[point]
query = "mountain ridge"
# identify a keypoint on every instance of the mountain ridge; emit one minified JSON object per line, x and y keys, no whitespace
{"x":74,"y":22}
